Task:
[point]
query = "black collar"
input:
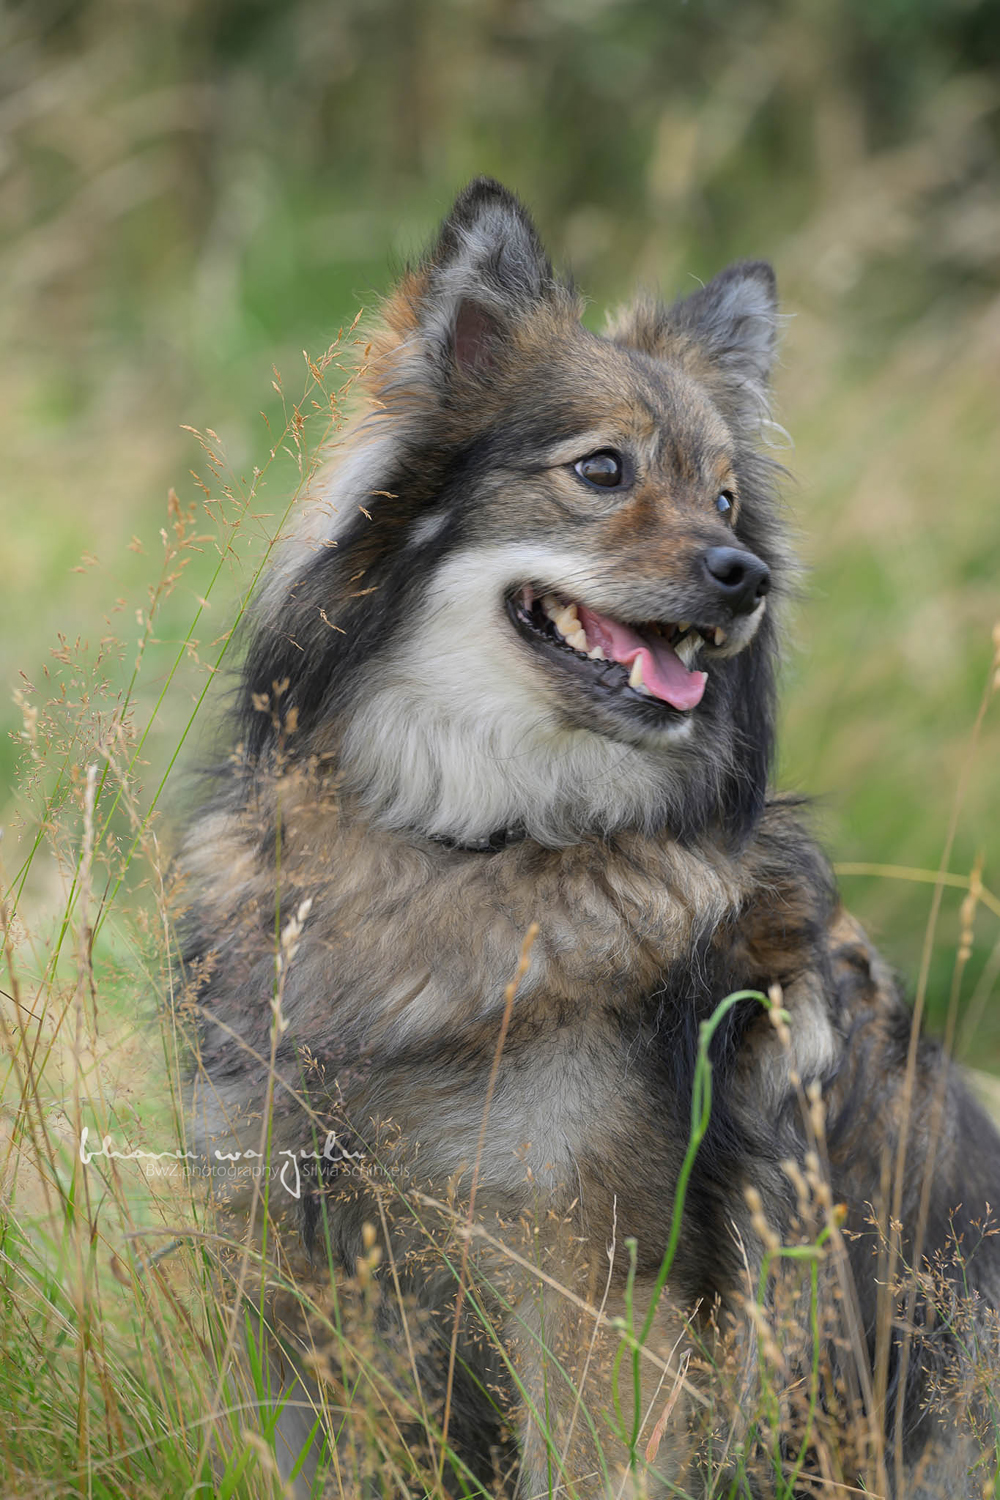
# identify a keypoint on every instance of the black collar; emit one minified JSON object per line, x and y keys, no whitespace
{"x":502,"y":838}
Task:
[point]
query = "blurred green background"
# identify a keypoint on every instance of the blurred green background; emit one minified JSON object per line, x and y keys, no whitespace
{"x":194,"y":190}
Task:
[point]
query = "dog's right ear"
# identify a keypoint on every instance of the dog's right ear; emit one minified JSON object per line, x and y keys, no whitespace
{"x":460,"y":310}
{"x":487,"y":272}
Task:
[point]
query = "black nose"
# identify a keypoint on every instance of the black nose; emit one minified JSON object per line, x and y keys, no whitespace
{"x":738,"y":579}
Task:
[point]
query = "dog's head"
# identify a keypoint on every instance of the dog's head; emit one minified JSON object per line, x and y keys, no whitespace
{"x":538,"y":591}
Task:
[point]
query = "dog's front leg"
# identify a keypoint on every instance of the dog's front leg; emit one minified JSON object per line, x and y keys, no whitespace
{"x":577,"y":1367}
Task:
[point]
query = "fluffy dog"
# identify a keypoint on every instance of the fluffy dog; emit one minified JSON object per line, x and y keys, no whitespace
{"x":515,"y":679}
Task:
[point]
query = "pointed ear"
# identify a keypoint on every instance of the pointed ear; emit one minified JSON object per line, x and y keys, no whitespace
{"x":726,"y":332}
{"x":487,"y":271}
{"x":486,"y":274}
{"x":735,"y":318}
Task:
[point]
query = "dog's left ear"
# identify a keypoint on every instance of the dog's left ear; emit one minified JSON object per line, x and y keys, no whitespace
{"x":727,"y":332}
{"x":461,"y":308}
{"x":735,"y":318}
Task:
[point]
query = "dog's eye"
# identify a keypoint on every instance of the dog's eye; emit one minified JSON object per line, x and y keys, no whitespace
{"x":604,"y":469}
{"x":724,"y":504}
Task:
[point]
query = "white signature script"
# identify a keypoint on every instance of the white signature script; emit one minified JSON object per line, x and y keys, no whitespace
{"x":289,"y":1175}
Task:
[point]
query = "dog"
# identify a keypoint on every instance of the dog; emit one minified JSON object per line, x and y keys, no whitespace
{"x":467,"y":908}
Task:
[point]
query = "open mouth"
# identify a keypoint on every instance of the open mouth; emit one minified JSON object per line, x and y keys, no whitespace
{"x":648,"y":664}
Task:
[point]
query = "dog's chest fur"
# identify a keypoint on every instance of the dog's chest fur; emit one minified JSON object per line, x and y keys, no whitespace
{"x":396,"y":993}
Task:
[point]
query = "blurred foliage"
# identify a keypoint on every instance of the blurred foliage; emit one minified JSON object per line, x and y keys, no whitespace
{"x":191,"y":190}
{"x":261,"y":155}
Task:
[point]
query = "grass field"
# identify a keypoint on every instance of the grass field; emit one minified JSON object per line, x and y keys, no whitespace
{"x":190,"y":200}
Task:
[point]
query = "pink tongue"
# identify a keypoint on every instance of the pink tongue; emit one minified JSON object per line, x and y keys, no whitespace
{"x":663,"y":672}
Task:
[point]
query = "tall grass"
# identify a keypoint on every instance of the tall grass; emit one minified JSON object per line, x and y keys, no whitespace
{"x":109,"y":1372}
{"x":142,"y":1336}
{"x":186,"y":190}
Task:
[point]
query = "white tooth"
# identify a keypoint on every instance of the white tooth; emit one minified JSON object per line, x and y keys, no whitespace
{"x":578,"y":640}
{"x":566,"y":622}
{"x":635,"y":677}
{"x":551,"y":605}
{"x":683,"y":625}
{"x":597,"y":654}
{"x":687,"y":649}
{"x":720,"y":635}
